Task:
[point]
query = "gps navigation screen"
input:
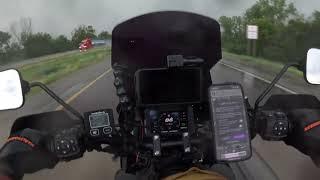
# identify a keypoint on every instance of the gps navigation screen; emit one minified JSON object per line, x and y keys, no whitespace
{"x":169,"y":86}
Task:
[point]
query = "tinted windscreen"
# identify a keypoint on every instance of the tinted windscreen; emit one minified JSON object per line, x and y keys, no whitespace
{"x":146,"y":41}
{"x":169,"y":86}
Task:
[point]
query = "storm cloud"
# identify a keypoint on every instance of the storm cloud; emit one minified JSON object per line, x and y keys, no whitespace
{"x":62,"y":16}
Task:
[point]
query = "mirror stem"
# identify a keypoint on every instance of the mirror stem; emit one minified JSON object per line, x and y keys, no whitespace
{"x":273,"y":83}
{"x":25,"y":86}
{"x":57,"y":98}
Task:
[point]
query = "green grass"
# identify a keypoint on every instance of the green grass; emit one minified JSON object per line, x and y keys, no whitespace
{"x":260,"y":63}
{"x":56,"y":68}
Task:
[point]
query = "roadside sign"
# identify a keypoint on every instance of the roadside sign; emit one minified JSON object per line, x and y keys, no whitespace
{"x":252,"y":32}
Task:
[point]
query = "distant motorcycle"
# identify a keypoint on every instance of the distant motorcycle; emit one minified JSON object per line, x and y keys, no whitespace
{"x":171,"y":116}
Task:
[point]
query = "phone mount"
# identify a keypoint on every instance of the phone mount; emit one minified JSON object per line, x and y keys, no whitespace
{"x":180,"y":61}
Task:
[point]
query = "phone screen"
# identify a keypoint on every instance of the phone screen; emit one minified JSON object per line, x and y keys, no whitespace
{"x":230,"y":123}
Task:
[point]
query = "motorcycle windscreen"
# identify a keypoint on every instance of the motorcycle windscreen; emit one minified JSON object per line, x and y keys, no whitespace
{"x":146,"y":41}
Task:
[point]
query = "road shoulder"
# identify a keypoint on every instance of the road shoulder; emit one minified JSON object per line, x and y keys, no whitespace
{"x":290,"y":81}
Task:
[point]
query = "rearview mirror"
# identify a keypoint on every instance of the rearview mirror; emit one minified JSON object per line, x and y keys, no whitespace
{"x":313,"y":66}
{"x":11,"y":94}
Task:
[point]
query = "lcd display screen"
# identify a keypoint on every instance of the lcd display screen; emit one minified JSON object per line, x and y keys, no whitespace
{"x":100,"y":119}
{"x":163,"y":86}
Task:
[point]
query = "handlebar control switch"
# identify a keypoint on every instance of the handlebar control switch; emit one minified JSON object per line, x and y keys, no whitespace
{"x":99,"y":124}
{"x":65,"y":144}
{"x":273,"y":125}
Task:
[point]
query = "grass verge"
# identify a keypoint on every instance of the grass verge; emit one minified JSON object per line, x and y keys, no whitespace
{"x":260,"y":64}
{"x":57,"y":67}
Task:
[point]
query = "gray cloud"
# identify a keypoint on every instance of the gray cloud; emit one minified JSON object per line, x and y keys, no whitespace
{"x":61,"y":16}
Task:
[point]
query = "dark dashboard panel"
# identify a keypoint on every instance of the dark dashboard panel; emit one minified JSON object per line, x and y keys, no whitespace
{"x":169,"y":86}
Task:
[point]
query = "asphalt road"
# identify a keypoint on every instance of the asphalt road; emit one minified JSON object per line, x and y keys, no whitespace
{"x":285,"y":161}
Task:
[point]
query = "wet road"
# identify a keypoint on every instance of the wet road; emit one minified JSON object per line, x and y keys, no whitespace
{"x":285,"y":161}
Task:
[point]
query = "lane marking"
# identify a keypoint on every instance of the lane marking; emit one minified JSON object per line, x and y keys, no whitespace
{"x":74,"y":96}
{"x":259,"y":77}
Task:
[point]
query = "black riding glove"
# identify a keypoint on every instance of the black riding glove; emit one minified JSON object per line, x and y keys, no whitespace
{"x":25,"y":152}
{"x":303,"y":111}
{"x":305,"y":135}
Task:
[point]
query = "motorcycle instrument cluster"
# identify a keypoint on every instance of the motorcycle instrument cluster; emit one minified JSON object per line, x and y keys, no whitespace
{"x":166,"y":123}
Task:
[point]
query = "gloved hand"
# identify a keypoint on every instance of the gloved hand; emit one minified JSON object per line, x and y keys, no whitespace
{"x":304,"y":113}
{"x":305,"y":135}
{"x":25,"y":152}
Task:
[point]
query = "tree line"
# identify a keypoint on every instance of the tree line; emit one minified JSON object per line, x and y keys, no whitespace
{"x":22,"y":43}
{"x":284,"y":34}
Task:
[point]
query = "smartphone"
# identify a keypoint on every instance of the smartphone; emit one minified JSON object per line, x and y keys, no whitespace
{"x":229,"y":123}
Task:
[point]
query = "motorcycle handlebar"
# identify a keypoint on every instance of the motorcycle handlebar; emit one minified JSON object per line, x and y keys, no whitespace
{"x":71,"y":143}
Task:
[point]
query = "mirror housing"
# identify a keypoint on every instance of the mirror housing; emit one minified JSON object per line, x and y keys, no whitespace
{"x":312,"y":73}
{"x":11,"y":90}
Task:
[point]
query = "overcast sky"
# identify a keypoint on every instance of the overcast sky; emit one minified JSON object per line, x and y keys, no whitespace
{"x":61,"y":16}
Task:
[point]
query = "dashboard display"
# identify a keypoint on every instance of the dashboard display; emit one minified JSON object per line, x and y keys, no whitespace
{"x":170,"y":122}
{"x":162,"y":86}
{"x":99,"y":119}
{"x":166,"y":123}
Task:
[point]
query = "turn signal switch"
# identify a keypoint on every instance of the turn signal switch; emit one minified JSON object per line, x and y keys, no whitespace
{"x":65,"y":144}
{"x":273,"y":125}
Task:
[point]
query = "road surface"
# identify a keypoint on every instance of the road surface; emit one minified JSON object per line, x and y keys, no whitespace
{"x":92,"y":88}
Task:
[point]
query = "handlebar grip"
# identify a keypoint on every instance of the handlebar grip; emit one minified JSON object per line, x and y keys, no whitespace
{"x":67,"y":144}
{"x":273,"y":125}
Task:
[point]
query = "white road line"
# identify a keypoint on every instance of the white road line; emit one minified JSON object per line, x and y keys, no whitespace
{"x":258,"y":77}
